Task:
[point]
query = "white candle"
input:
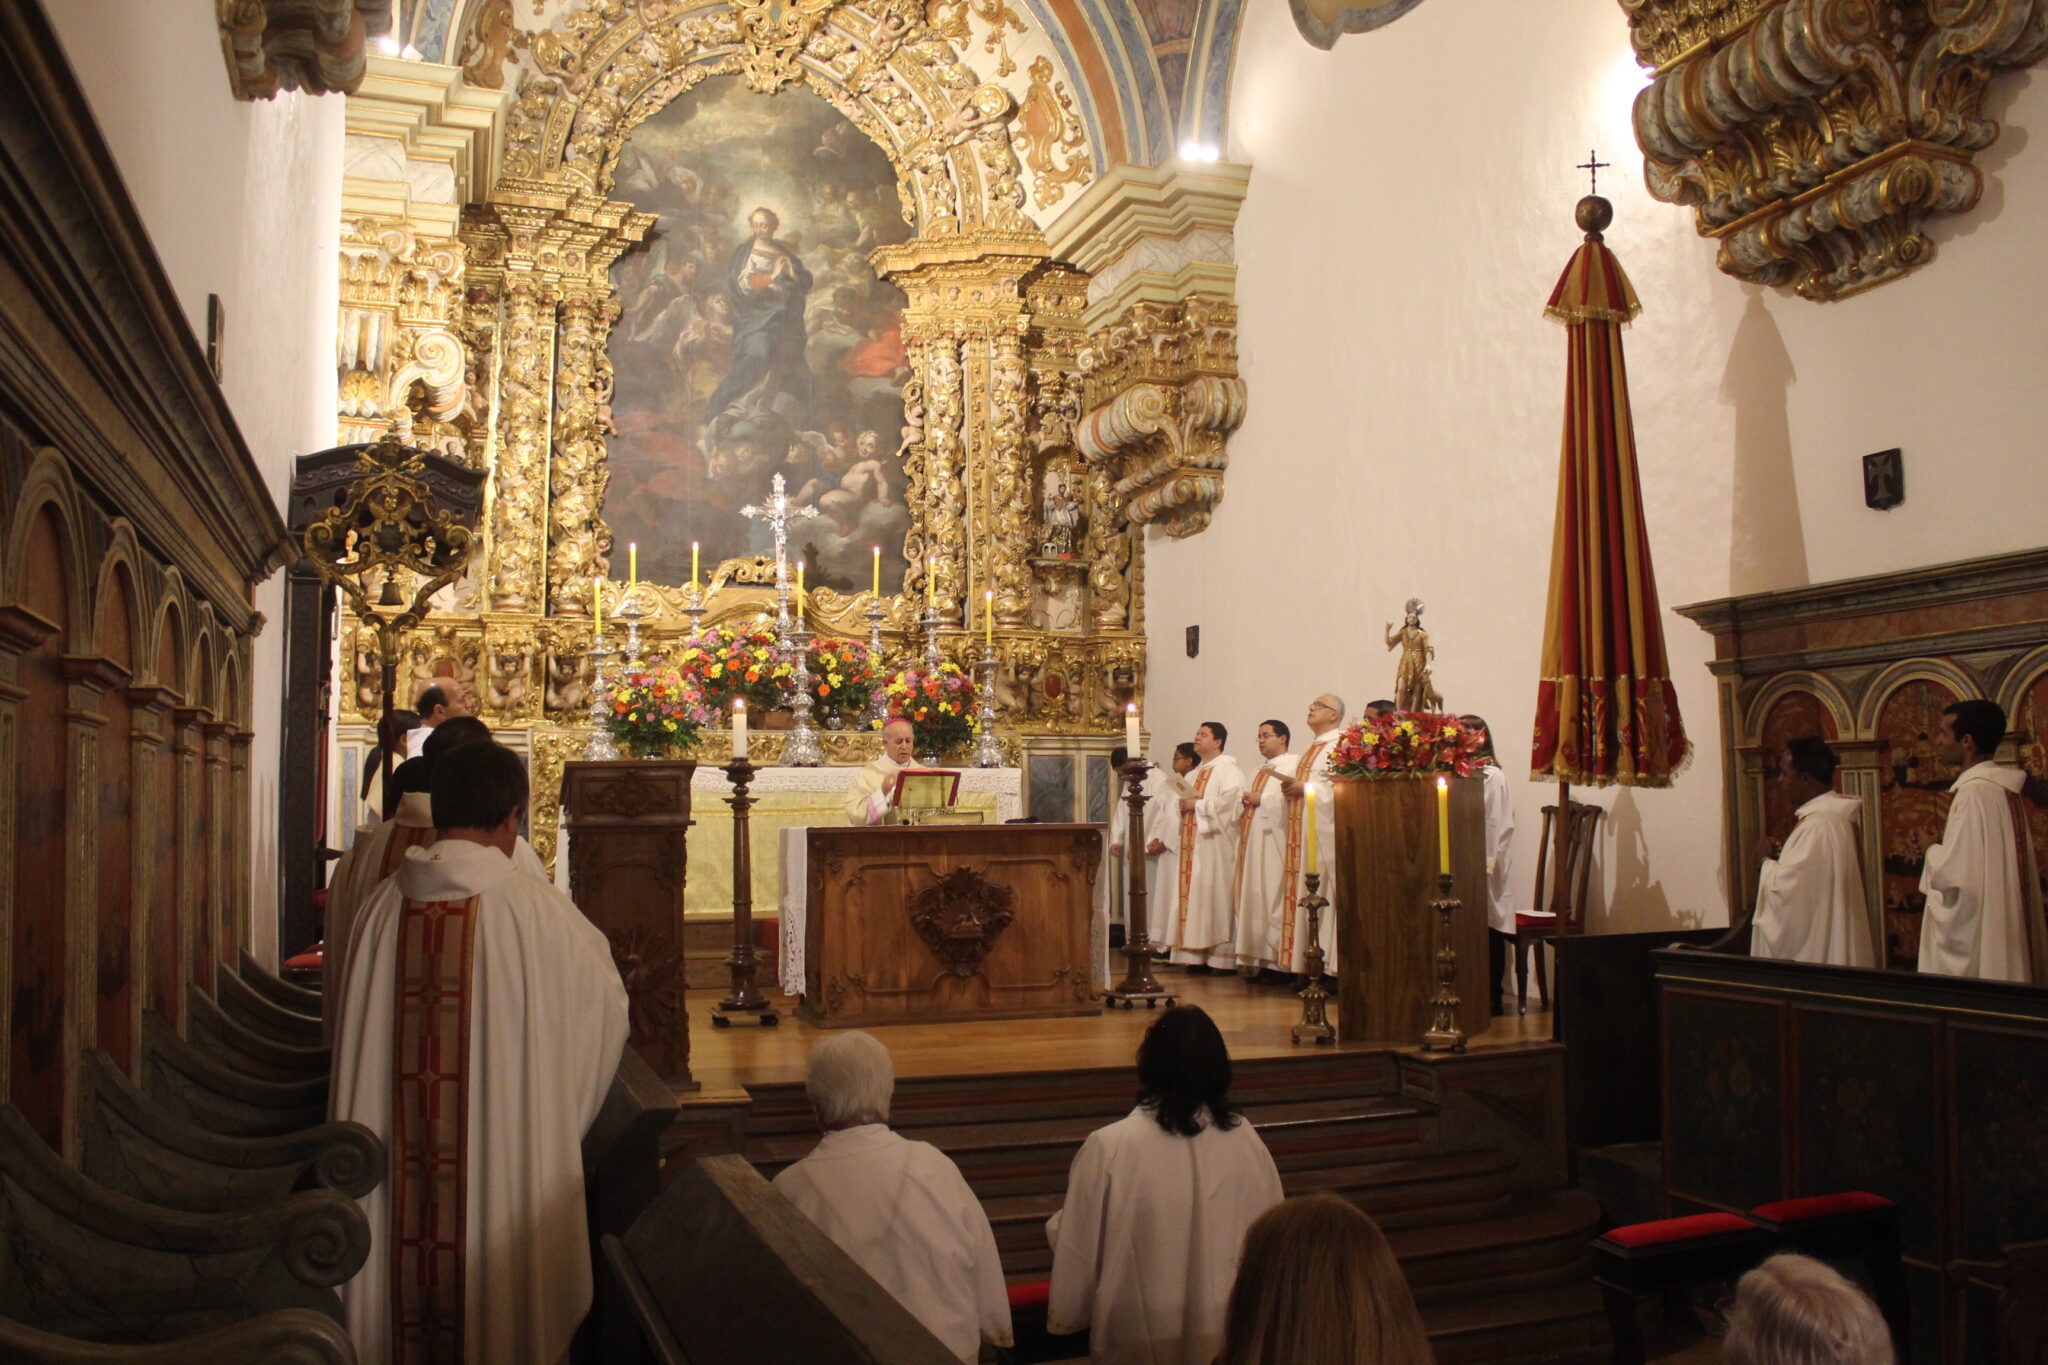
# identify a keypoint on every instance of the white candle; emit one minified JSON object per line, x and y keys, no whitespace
{"x":1132,"y":747}
{"x":739,"y":729}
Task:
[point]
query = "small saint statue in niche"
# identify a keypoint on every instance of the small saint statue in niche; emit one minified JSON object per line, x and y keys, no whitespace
{"x":1062,"y":520}
{"x":1412,"y":688}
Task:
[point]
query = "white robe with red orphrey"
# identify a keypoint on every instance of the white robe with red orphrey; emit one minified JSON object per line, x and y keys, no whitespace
{"x":1291,"y":933}
{"x":1259,"y":886}
{"x":1810,"y":905}
{"x":1983,"y":915}
{"x":483,"y":1023}
{"x":1203,"y":923}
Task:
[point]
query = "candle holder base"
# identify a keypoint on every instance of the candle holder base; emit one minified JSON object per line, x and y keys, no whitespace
{"x":1138,"y":984}
{"x":1315,"y":1020}
{"x":1443,"y":1034}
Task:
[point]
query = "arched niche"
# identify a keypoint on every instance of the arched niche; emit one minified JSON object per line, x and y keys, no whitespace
{"x":1791,"y":712}
{"x":120,"y":778}
{"x":1905,"y":720}
{"x":167,"y":844}
{"x":2025,"y":699}
{"x":203,"y":819}
{"x":43,"y":553}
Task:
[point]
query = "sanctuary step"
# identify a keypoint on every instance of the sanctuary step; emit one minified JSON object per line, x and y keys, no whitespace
{"x":1502,"y":1270}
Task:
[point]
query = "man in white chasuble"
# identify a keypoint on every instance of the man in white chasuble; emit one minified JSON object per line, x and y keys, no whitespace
{"x":1203,"y":932}
{"x":1810,"y":905}
{"x":1290,"y":930}
{"x":1983,"y":896}
{"x":867,"y":799}
{"x":1262,"y":863}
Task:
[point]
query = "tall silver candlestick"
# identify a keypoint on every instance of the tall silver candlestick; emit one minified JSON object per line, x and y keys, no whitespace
{"x":878,"y":703}
{"x":932,"y":657}
{"x":695,"y":611}
{"x":632,"y":614}
{"x":988,"y":750}
{"x":801,"y":749}
{"x":600,"y":747}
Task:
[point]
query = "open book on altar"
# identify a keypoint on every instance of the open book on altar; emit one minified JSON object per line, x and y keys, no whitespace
{"x":925,"y":789}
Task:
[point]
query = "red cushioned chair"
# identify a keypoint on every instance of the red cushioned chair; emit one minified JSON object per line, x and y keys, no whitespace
{"x":1853,"y":1225}
{"x":1643,"y":1259}
{"x":1533,"y":926}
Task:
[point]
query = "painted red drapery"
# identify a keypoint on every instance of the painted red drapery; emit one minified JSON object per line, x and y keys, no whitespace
{"x":1605,"y":709}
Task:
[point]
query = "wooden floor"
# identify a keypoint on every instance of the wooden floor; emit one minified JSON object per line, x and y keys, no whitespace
{"x":1255,"y":1021}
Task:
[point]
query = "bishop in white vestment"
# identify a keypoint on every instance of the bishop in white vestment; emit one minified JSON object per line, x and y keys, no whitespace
{"x":484,"y":1019}
{"x":1146,"y":1245}
{"x":898,"y":1207}
{"x":1202,"y":931}
{"x":869,"y":794}
{"x":1259,"y":887}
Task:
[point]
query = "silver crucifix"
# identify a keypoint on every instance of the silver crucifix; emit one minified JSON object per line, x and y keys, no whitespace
{"x":778,"y":512}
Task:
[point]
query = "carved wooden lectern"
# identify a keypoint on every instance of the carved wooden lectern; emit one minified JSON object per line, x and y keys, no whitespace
{"x":627,"y":821}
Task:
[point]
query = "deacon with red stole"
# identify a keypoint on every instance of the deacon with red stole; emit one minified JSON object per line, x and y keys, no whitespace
{"x":1259,"y":888}
{"x":1203,"y":933}
{"x":483,"y":1023}
{"x":1983,"y":915}
{"x":1290,"y":933}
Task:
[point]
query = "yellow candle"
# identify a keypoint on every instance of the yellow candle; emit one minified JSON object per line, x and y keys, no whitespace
{"x":931,"y":584}
{"x":597,"y":602}
{"x":1310,"y":864}
{"x":799,"y":587}
{"x":877,"y":590}
{"x":632,"y":566}
{"x":693,"y":564}
{"x":1443,"y":825}
{"x":990,"y":599}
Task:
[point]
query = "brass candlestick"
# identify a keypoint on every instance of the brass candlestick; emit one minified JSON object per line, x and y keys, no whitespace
{"x":1138,"y":983}
{"x":1315,"y":1023}
{"x":745,"y":963}
{"x":1443,"y":1033}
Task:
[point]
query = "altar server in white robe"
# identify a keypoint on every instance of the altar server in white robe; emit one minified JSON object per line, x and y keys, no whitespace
{"x":1146,"y":1245}
{"x":377,"y":853}
{"x":1983,"y":915}
{"x":899,"y":1208}
{"x":1204,"y":921}
{"x":1810,"y":903}
{"x":1162,"y":839}
{"x":869,"y":794}
{"x":1259,"y":886}
{"x":1500,"y":841}
{"x":1325,"y":727}
{"x":485,"y":1260}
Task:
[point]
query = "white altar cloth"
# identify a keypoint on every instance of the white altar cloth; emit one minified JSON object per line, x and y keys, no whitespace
{"x":785,"y":798}
{"x":793,"y":858}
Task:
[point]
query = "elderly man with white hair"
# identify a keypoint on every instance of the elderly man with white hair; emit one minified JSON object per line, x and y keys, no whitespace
{"x":1288,"y":929}
{"x":900,"y":1208}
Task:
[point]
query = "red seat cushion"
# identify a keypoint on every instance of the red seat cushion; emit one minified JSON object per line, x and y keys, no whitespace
{"x":1535,"y":919}
{"x":1034,"y":1295}
{"x":1670,"y":1230}
{"x":1820,"y":1206}
{"x":312,"y":960}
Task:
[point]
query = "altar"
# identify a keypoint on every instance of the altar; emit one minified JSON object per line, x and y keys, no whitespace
{"x":789,"y":799}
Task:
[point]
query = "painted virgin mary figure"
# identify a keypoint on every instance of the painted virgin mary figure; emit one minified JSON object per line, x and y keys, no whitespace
{"x":768,"y":287}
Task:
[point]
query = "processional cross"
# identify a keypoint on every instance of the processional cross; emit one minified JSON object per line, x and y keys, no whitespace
{"x":778,"y":512}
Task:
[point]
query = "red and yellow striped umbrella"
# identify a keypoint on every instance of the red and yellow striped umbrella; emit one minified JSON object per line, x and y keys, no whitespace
{"x":1605,"y":709}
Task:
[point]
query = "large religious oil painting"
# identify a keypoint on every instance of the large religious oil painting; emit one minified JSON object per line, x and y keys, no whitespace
{"x":755,"y":339}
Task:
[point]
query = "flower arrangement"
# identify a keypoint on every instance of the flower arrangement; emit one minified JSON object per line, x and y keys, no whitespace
{"x":938,"y":702}
{"x":728,"y":662}
{"x":655,"y":710}
{"x":1404,"y":743}
{"x":843,"y":676}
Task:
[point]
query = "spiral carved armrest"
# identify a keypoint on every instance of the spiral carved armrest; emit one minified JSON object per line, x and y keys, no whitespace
{"x":290,"y":1336}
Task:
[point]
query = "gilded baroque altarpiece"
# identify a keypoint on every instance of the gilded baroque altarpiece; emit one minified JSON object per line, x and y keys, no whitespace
{"x":495,"y":344}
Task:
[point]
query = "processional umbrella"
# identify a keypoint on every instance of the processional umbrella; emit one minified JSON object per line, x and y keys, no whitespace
{"x":1606,"y":713}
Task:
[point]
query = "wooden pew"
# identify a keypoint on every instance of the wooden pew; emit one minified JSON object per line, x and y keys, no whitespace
{"x":204,"y":1092}
{"x":720,"y":1235}
{"x":621,"y":1176}
{"x":213,"y":1033}
{"x":261,"y":1015}
{"x":290,"y":1336}
{"x":277,"y":990}
{"x":140,"y":1149}
{"x":80,"y":1260}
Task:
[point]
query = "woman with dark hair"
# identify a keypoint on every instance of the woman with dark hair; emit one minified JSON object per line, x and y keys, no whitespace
{"x":1145,"y":1247}
{"x":1320,"y":1286}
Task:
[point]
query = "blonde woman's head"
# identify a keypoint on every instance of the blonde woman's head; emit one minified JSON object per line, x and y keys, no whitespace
{"x":1793,"y":1310}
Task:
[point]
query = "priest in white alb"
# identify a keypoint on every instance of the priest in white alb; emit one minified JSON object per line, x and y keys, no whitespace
{"x":1499,"y":804}
{"x":484,"y":1022}
{"x":1325,"y":727}
{"x":1163,"y":790}
{"x":1146,"y":1244}
{"x":1203,"y":932}
{"x":900,"y":1208}
{"x":874,"y":785}
{"x":1983,"y":915}
{"x":1810,"y":902}
{"x":1259,"y":886}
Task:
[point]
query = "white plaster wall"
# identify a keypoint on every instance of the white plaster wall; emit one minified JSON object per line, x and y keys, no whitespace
{"x":1410,"y":209}
{"x":241,"y":200}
